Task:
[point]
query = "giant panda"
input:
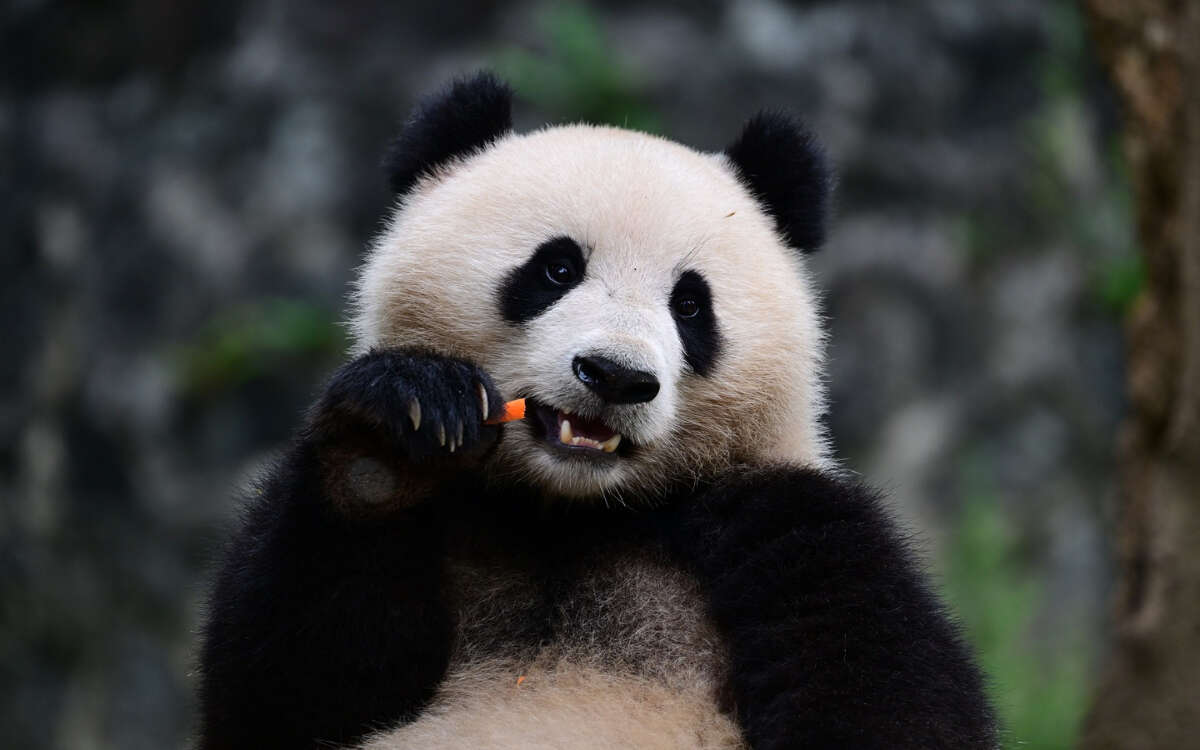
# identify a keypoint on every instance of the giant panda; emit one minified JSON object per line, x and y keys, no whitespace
{"x":661,"y":554}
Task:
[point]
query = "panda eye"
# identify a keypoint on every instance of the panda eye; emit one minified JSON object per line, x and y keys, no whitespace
{"x":687,"y":307}
{"x":561,"y":273}
{"x":695,"y":314}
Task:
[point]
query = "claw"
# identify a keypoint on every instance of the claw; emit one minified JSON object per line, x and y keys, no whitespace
{"x":441,"y":433}
{"x":483,"y":399}
{"x":414,"y":413}
{"x":458,"y":438}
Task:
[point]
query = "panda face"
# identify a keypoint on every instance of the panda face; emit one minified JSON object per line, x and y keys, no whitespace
{"x":599,"y":359}
{"x":631,"y":288}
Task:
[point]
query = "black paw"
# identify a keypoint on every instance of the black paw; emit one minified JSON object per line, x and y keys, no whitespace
{"x":414,"y":405}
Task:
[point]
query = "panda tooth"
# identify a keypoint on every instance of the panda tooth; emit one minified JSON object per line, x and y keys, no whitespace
{"x":564,"y":432}
{"x":414,"y":413}
{"x":611,"y":444}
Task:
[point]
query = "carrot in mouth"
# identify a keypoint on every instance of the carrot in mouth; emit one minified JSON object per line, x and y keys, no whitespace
{"x":513,"y":411}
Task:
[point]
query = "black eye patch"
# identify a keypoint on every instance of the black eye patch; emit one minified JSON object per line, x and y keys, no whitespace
{"x":556,"y":268}
{"x":696,"y":320}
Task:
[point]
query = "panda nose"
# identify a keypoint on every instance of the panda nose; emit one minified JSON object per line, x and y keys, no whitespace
{"x":615,"y":383}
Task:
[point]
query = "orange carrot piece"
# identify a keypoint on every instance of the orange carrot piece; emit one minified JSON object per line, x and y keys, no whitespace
{"x":513,"y":411}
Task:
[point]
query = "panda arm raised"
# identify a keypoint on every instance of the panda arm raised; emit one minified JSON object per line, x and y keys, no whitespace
{"x":327,"y":618}
{"x":835,"y":638}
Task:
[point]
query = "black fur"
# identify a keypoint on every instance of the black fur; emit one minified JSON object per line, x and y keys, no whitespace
{"x":461,"y":119}
{"x":328,"y":615}
{"x":700,"y":334}
{"x":300,"y":645}
{"x":834,"y":636}
{"x":787,"y":171}
{"x":528,"y":292}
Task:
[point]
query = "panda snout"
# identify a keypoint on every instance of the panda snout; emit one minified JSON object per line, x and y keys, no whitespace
{"x":614,"y":382}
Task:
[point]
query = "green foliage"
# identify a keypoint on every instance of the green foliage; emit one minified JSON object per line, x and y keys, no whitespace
{"x":1119,"y":282}
{"x":253,"y":341}
{"x":577,"y":76}
{"x":1039,"y":689}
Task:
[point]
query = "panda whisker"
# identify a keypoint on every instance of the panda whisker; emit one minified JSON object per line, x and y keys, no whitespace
{"x":682,"y":264}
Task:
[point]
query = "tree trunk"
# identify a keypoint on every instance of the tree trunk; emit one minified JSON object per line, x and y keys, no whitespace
{"x":1149,"y":693}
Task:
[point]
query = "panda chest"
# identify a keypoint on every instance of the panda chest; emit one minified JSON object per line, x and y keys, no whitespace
{"x":612,"y":648}
{"x":617,"y":607}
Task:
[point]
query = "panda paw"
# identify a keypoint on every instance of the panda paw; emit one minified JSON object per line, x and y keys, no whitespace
{"x":418,"y":405}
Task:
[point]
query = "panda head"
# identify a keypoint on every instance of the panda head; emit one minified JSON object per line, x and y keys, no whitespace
{"x":650,"y":301}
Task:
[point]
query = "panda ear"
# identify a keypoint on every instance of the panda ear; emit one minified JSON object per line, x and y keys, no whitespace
{"x":785,"y":168}
{"x":462,"y":118}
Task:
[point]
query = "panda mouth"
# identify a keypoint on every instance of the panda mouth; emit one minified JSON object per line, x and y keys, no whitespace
{"x":573,"y":433}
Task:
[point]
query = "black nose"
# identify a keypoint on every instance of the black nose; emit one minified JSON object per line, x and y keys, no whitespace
{"x":614,"y":383}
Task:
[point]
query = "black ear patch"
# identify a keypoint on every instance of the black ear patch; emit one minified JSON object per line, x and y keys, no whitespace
{"x":786,"y":169}
{"x":462,"y":118}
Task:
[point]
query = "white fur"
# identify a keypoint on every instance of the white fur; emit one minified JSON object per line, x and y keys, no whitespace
{"x":563,"y":707}
{"x":644,"y":209}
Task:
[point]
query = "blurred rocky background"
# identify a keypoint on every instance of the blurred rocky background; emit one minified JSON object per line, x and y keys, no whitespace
{"x":186,"y":188}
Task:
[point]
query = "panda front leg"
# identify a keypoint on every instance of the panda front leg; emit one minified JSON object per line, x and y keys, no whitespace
{"x":327,"y":619}
{"x":835,"y":637}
